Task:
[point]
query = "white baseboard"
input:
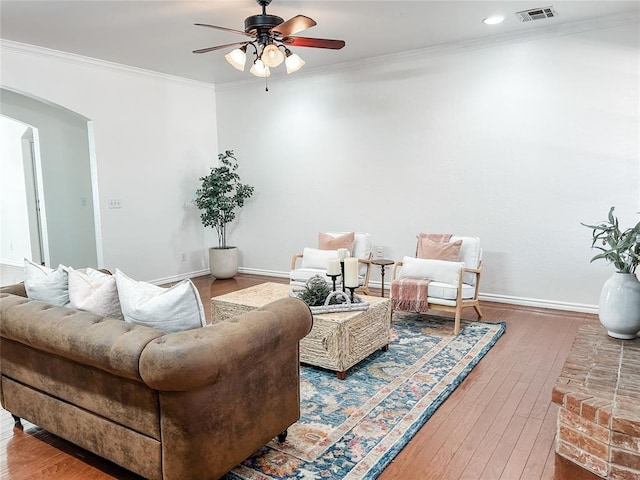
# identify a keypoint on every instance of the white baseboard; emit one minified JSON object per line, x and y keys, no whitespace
{"x":540,"y":303}
{"x":489,"y":297}
{"x":12,"y":263}
{"x":180,"y":277}
{"x":267,"y":273}
{"x":11,"y":273}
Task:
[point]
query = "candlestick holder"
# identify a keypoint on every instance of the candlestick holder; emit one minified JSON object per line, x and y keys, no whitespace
{"x":342,"y":270}
{"x":333,"y":279}
{"x":351,"y":290}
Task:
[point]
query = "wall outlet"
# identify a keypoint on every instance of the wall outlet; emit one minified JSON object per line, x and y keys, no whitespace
{"x":183,"y":257}
{"x":379,"y":252}
{"x":115,"y":203}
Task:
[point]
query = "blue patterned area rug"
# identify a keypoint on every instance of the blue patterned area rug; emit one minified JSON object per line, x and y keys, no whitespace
{"x":353,"y":428}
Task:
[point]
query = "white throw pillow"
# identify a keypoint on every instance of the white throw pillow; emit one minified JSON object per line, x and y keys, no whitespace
{"x":169,"y":309}
{"x":95,"y":292}
{"x":436,"y":270}
{"x":316,"y":258}
{"x":46,"y":284}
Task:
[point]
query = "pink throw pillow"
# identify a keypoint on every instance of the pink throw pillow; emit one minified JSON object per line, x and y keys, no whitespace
{"x":329,"y":242}
{"x":438,"y":251}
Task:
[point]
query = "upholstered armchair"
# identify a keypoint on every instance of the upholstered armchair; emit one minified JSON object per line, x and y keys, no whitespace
{"x":444,"y":275}
{"x":314,"y":261}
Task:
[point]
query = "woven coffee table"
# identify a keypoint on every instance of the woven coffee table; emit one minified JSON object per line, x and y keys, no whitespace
{"x":336,"y":342}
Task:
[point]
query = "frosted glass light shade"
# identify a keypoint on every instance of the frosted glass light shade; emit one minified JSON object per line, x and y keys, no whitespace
{"x":237,"y":58}
{"x":493,"y":20}
{"x":272,"y":56}
{"x":259,"y":69}
{"x":293,"y":63}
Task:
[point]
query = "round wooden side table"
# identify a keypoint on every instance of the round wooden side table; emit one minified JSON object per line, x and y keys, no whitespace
{"x":383,"y":263}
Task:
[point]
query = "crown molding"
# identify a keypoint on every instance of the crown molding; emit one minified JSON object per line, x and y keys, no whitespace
{"x":422,"y":53}
{"x":529,"y":35}
{"x":540,"y":33}
{"x":36,"y":51}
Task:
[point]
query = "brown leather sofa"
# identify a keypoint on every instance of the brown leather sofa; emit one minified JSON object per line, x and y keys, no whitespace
{"x":185,"y":405}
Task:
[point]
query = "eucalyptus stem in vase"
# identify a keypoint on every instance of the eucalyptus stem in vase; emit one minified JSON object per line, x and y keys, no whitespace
{"x":619,"y":307}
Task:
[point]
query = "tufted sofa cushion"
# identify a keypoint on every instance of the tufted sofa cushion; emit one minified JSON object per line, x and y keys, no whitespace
{"x":108,"y":344}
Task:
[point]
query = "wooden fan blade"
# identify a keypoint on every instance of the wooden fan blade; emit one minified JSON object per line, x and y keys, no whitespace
{"x":314,"y":42}
{"x":294,"y":25}
{"x":224,"y":29}
{"x":218,"y":47}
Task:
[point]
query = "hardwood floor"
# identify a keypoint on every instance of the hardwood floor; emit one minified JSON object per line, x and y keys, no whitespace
{"x":498,"y":424}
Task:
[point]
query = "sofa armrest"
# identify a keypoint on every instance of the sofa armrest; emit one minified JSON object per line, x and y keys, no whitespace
{"x":17,"y":289}
{"x":192,"y":359}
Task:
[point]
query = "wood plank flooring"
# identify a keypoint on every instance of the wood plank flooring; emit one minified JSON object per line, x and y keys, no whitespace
{"x":499,"y":424}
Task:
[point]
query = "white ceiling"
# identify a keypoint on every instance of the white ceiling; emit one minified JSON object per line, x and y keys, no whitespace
{"x":160,"y":35}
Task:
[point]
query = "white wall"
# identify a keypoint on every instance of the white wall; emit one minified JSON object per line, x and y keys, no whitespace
{"x":64,"y":162}
{"x":516,"y":143}
{"x":154,"y":137}
{"x":14,"y":225}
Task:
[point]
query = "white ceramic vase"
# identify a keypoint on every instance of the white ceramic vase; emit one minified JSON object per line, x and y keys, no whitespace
{"x":620,"y":306}
{"x":223,"y":262}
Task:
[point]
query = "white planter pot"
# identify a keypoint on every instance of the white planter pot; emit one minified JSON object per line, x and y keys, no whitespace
{"x":223,"y":262}
{"x":620,"y":306}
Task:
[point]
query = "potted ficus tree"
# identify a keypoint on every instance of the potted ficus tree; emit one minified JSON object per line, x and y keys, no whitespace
{"x":219,"y":197}
{"x":619,"y":308}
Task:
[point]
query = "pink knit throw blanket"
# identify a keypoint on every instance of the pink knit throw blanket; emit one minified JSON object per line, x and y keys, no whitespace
{"x":410,"y":294}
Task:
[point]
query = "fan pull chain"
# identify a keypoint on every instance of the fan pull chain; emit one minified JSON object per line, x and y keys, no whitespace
{"x":266,"y":84}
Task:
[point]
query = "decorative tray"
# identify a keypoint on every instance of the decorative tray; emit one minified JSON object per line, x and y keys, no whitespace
{"x":346,"y":304}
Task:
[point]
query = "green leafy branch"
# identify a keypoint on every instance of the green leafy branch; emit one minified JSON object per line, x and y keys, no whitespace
{"x":622,"y":248}
{"x":221,"y":194}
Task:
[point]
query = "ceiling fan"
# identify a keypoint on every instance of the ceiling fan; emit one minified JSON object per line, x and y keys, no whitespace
{"x":270,"y":38}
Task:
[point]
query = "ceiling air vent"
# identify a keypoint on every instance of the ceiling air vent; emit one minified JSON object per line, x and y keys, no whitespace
{"x":537,"y":14}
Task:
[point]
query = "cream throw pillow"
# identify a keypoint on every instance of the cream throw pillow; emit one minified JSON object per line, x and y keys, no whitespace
{"x":316,"y":258}
{"x":169,"y":309}
{"x":46,"y":284}
{"x":95,"y":292}
{"x":436,"y":270}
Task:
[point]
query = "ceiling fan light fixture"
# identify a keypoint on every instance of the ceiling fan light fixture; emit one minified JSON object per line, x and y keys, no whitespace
{"x":269,"y":36}
{"x":272,"y":56}
{"x":493,"y":20}
{"x":293,"y":62}
{"x":259,"y":69}
{"x":237,"y":57}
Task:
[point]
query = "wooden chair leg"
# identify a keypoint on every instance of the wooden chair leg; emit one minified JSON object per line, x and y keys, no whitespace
{"x":456,"y":329}
{"x":478,"y":311}
{"x":363,"y":290}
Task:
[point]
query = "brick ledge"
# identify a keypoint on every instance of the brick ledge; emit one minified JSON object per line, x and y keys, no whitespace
{"x":598,"y":392}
